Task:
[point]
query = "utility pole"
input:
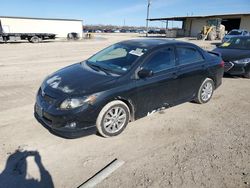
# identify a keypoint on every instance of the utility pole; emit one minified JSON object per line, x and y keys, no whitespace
{"x":149,"y":3}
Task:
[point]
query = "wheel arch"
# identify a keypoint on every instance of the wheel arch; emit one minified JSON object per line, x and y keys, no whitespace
{"x":130,"y":105}
{"x":212,"y":78}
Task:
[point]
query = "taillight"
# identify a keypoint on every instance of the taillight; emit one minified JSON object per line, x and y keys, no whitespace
{"x":222,"y":63}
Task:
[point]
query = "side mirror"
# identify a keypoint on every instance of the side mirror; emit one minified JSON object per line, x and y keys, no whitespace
{"x":144,"y":73}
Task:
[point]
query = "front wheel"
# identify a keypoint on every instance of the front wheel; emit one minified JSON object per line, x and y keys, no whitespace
{"x":205,"y":91}
{"x":211,"y":36}
{"x":113,"y":118}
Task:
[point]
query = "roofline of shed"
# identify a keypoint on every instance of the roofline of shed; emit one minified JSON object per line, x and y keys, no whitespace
{"x":33,"y":18}
{"x":181,"y":18}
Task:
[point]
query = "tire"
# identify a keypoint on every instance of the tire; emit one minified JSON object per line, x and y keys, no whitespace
{"x":199,"y":36}
{"x":113,"y":128}
{"x":211,"y":36}
{"x":34,"y":39}
{"x":205,"y":91}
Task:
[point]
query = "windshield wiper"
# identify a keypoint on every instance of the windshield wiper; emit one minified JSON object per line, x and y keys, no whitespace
{"x":98,"y":68}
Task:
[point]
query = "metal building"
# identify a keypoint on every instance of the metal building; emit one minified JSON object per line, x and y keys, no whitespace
{"x":191,"y":25}
{"x":60,"y":27}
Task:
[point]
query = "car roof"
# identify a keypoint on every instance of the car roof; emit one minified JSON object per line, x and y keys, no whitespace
{"x":238,"y":30}
{"x":151,"y":43}
{"x":241,"y":36}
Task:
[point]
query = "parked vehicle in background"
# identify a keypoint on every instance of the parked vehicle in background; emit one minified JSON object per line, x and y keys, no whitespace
{"x":154,"y":31}
{"x":125,"y":82}
{"x":31,"y":37}
{"x":142,"y":31}
{"x":235,"y":33}
{"x":116,"y":31}
{"x":236,"y":54}
{"x":98,"y":31}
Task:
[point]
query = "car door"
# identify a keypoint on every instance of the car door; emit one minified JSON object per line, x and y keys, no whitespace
{"x":191,"y":70}
{"x":160,"y":89}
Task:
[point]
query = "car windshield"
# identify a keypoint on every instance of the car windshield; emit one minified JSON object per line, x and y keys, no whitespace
{"x":237,"y":43}
{"x":116,"y":59}
{"x":235,"y":33}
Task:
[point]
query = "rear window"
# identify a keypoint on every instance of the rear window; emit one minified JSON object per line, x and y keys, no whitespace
{"x":188,"y":55}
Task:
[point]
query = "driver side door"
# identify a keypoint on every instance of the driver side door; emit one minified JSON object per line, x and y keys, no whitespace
{"x":161,"y":89}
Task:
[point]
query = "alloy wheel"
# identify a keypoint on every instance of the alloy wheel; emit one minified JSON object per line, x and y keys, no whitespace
{"x":114,"y":119}
{"x":207,"y":91}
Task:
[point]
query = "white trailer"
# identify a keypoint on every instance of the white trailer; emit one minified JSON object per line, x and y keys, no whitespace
{"x":62,"y":28}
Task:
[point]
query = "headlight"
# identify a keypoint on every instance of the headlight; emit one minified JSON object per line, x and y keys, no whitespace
{"x":77,"y":102}
{"x":246,"y":60}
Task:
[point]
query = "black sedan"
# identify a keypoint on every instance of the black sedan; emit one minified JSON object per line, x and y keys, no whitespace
{"x":124,"y":82}
{"x":236,"y":54}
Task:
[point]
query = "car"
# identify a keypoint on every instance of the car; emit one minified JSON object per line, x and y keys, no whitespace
{"x":141,"y":31}
{"x":154,"y":31}
{"x":235,"y":32}
{"x":98,"y":31}
{"x":236,"y":54}
{"x":124,"y":82}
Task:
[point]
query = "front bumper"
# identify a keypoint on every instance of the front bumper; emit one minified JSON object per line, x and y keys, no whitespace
{"x":66,"y":132}
{"x":60,"y":121}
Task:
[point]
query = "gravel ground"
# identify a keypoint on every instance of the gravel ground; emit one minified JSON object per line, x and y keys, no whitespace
{"x":189,"y":145}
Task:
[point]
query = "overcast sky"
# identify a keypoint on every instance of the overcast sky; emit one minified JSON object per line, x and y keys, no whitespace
{"x":115,"y":12}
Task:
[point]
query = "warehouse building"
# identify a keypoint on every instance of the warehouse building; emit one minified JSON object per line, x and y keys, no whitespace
{"x":192,"y":25}
{"x":60,"y":27}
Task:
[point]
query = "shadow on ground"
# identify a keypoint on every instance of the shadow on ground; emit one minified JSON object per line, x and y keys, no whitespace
{"x":15,"y":172}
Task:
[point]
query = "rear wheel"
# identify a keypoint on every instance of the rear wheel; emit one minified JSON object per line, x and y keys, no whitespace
{"x":34,"y":39}
{"x":205,"y":92}
{"x":113,"y":118}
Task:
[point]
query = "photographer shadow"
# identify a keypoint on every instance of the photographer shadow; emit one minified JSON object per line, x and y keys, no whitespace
{"x":15,"y":172}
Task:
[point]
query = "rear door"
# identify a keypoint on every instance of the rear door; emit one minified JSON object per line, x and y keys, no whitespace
{"x":191,"y":70}
{"x":161,"y":89}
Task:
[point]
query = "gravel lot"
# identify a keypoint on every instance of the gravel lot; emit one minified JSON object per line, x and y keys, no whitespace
{"x":189,"y":145}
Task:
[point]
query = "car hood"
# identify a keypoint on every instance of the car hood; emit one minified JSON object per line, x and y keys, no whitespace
{"x":77,"y":79}
{"x":232,"y":54}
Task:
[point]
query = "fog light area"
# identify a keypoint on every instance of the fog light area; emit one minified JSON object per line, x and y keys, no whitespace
{"x":71,"y":125}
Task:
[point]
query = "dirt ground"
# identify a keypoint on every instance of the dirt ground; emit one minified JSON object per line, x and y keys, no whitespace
{"x":189,"y":145}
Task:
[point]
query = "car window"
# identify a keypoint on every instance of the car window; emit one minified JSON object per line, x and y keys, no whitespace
{"x":116,"y":53}
{"x":161,"y":60}
{"x":117,"y":58}
{"x":235,"y":32}
{"x":247,"y":44}
{"x":188,"y":55}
